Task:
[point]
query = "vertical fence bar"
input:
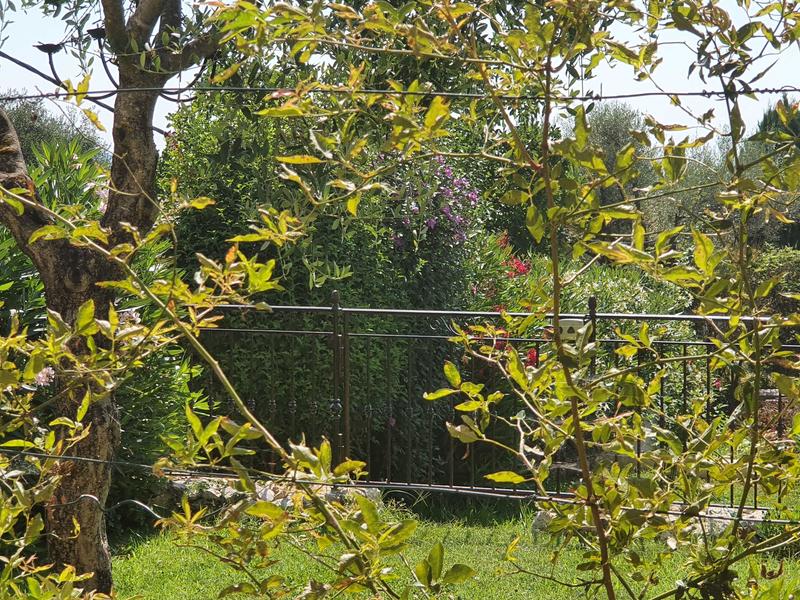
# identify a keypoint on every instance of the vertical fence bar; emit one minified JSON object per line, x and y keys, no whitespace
{"x":368,"y":388}
{"x":451,"y":447}
{"x":638,"y":411}
{"x":684,"y":391}
{"x":345,"y":359}
{"x":408,"y":412}
{"x":292,"y":399}
{"x":390,"y":412}
{"x":335,"y":347}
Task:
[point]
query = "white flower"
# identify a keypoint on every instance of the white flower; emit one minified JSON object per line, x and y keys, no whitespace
{"x":45,"y":377}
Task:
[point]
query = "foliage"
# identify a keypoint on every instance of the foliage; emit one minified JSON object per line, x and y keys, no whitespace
{"x":38,"y":126}
{"x":560,"y":400}
{"x":784,"y":264}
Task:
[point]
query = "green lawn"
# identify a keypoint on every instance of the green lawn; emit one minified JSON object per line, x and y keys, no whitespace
{"x":154,"y":568}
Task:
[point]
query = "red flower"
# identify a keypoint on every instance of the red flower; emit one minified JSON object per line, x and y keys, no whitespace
{"x":717,"y":384}
{"x":500,"y":341}
{"x":532,"y":358}
{"x":518,"y":267}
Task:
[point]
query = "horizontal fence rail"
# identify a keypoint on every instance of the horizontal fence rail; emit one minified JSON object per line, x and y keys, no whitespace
{"x":357,"y":377}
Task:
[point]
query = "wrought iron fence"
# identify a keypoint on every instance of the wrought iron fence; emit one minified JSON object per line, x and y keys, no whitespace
{"x":357,"y":377}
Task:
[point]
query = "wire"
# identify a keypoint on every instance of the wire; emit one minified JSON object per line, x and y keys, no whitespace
{"x":494,"y":493}
{"x":105,"y":93}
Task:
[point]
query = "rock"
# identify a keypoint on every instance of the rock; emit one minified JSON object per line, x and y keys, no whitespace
{"x":542,"y":520}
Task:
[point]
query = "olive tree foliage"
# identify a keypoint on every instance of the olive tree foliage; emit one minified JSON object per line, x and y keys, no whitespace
{"x":142,"y":45}
{"x":59,"y":419}
{"x":539,"y":50}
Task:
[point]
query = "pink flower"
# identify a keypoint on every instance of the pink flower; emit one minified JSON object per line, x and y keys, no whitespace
{"x":44,"y":377}
{"x":532,"y":358}
{"x":518,"y":267}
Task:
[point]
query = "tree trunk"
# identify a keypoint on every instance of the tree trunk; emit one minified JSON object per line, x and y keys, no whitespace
{"x":83,"y":489}
{"x":81,"y":496}
{"x":75,"y":514}
{"x":70,"y":274}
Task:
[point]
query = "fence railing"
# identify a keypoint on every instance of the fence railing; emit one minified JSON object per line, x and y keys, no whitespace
{"x":357,"y":377}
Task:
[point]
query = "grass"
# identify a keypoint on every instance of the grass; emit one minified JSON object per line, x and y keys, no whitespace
{"x":155,"y":567}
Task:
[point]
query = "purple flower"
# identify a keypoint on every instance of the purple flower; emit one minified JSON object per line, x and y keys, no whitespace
{"x":447,"y":192}
{"x":473,"y":197}
{"x":439,"y":159}
{"x":448,"y":211}
{"x":414,"y":208}
{"x":44,"y":377}
{"x":406,"y":221}
{"x":448,"y":172}
{"x":460,"y":182}
{"x":431,"y":223}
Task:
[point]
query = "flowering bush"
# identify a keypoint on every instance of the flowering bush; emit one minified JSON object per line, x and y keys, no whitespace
{"x":435,"y":207}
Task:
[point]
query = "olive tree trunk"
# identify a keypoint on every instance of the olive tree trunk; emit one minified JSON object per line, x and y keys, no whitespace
{"x":75,"y":514}
{"x":70,"y":274}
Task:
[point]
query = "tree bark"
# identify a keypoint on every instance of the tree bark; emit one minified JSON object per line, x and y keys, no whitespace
{"x":75,"y":516}
{"x":70,"y":274}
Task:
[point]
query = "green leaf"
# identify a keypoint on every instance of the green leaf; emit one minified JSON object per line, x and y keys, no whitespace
{"x":462,"y":433}
{"x":581,"y":127}
{"x":517,"y":370}
{"x":84,"y":321}
{"x":397,"y":535}
{"x":437,"y":114}
{"x":505,"y":477}
{"x":458,"y":573}
{"x":325,"y":455}
{"x":703,"y":250}
{"x":48,"y":232}
{"x":469,"y":405}
{"x":422,"y":571}
{"x":515,"y":197}
{"x":201,"y":202}
{"x":266,"y":510}
{"x":84,"y":407}
{"x":440,"y":393}
{"x":299,"y":159}
{"x":436,"y":560}
{"x":369,"y":513}
{"x":194,"y":421}
{"x":452,"y":374}
{"x":348,"y":466}
{"x":352,"y":204}
{"x":534,"y":221}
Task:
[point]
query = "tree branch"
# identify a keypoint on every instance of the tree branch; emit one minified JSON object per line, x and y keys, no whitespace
{"x":170,"y":21}
{"x":14,"y":174}
{"x":192,"y":53}
{"x":114,"y":16}
{"x":143,"y":20}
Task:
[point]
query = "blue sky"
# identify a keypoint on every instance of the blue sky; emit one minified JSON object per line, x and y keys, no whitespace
{"x":32,"y":28}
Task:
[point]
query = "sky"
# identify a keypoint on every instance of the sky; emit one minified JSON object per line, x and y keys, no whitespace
{"x":29,"y":29}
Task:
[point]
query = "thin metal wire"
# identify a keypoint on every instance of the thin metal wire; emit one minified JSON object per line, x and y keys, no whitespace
{"x":494,"y":492}
{"x":104,"y":93}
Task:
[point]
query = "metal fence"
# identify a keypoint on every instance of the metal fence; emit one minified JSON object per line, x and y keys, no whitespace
{"x":357,"y":377}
